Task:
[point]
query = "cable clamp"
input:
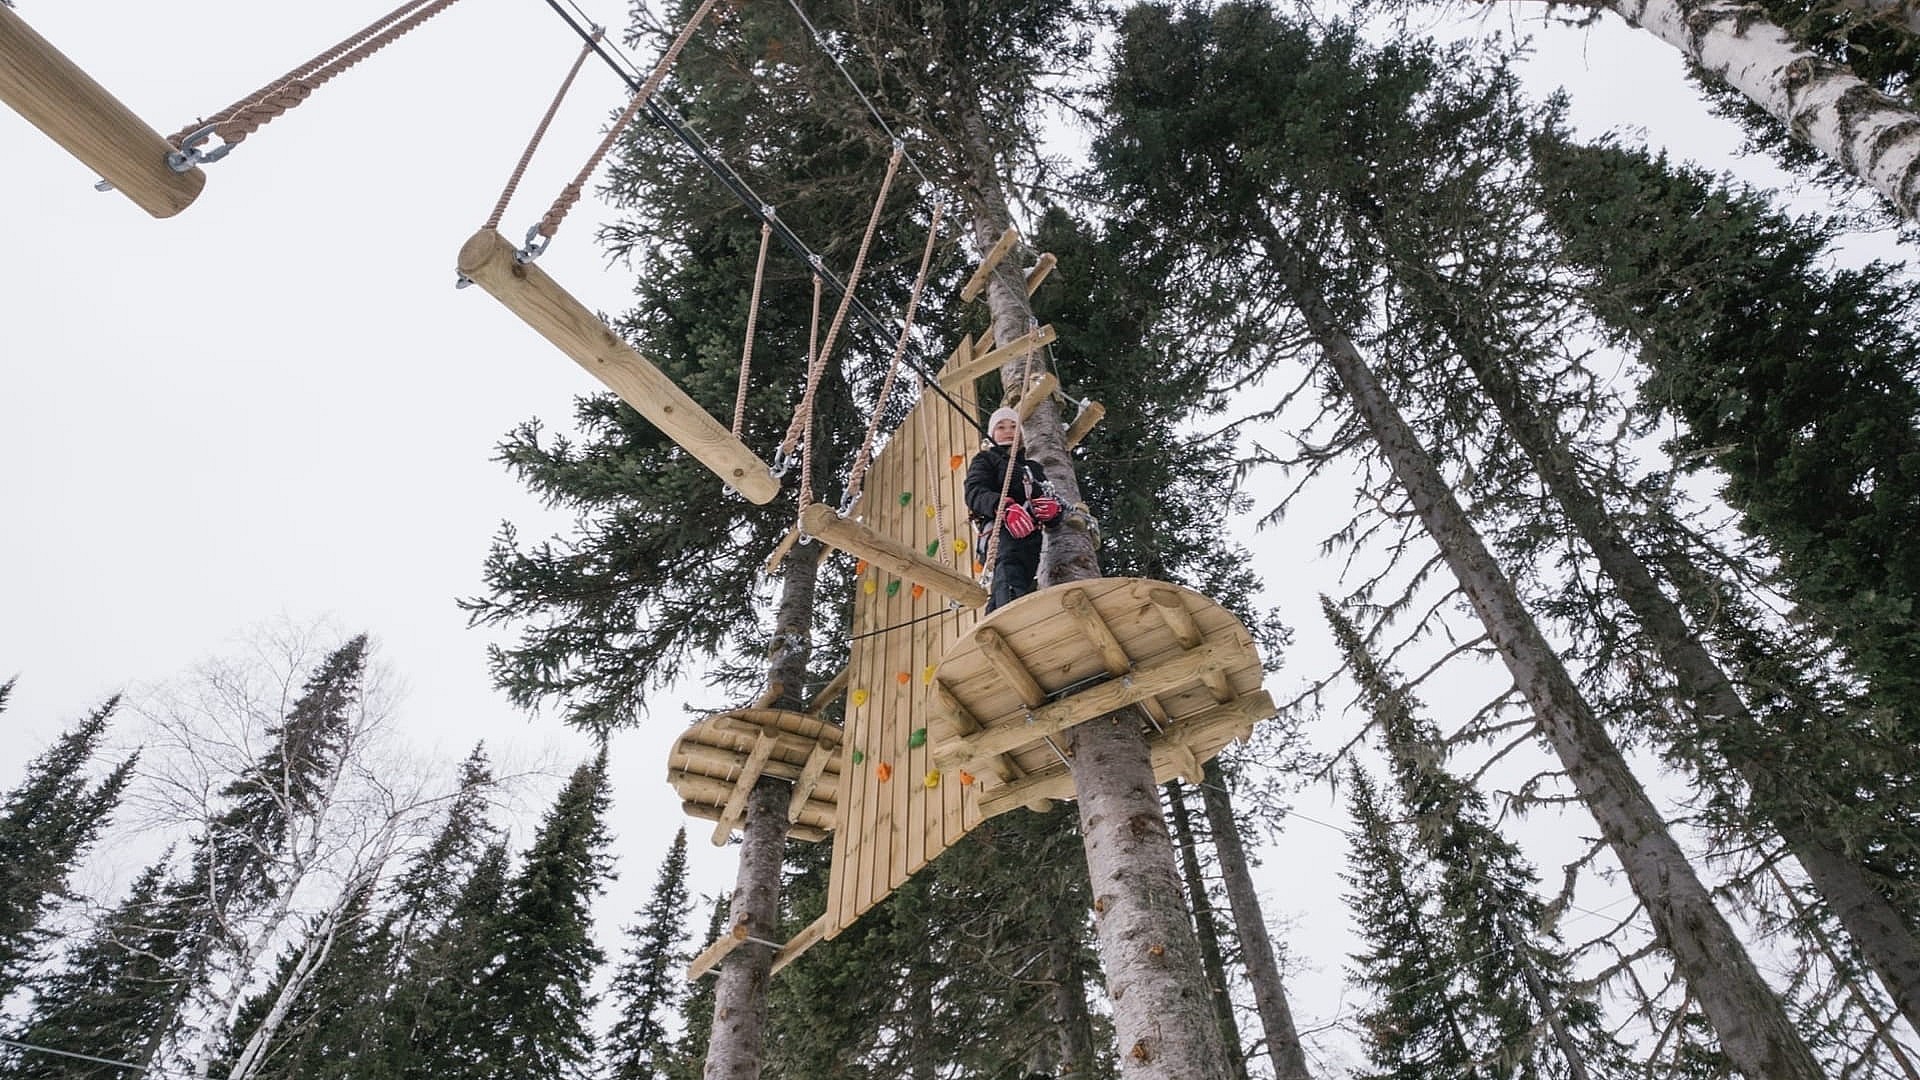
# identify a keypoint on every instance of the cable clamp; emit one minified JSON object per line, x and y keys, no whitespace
{"x":536,"y":247}
{"x":190,"y":154}
{"x":782,"y":461}
{"x":852,"y":500}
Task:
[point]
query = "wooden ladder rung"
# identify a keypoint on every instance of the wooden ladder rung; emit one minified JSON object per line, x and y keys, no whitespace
{"x":956,"y":376}
{"x":750,"y":774}
{"x":54,"y":95}
{"x":1035,"y":394}
{"x":1041,"y":269}
{"x":1090,"y":414}
{"x":978,"y":281}
{"x":488,"y":259}
{"x":800,"y":943}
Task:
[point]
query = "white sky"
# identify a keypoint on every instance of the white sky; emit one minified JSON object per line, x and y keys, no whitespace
{"x":276,"y":404}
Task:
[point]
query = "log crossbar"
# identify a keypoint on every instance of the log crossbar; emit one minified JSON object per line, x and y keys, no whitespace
{"x":1036,"y":394}
{"x":822,"y":521}
{"x":53,"y":94}
{"x":1090,"y":414}
{"x":488,"y":259}
{"x":1041,"y":269}
{"x":995,"y":254}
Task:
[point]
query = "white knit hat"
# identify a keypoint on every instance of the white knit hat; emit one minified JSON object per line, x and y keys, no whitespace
{"x":1004,"y":412}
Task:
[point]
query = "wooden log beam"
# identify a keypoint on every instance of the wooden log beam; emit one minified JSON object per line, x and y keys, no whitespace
{"x":717,"y":764}
{"x":1041,"y":268}
{"x":750,"y":772}
{"x":1152,"y":680}
{"x":1095,"y":629}
{"x":806,"y":939}
{"x":1090,"y":414}
{"x":526,"y":290}
{"x":820,"y":520}
{"x":945,"y":706}
{"x":1170,"y":753}
{"x":994,"y":647}
{"x":712,"y":793}
{"x":1173,"y":611}
{"x":829,"y":693}
{"x":780,"y":550}
{"x":811,"y":834}
{"x":1036,"y":392}
{"x":40,"y":83}
{"x":995,"y":254}
{"x":993,"y":358}
{"x":809,"y":779}
{"x":711,"y":956}
{"x":804,"y":729}
{"x":1218,"y":685}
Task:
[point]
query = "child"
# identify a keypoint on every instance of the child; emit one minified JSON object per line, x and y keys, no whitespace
{"x":1029,"y":507}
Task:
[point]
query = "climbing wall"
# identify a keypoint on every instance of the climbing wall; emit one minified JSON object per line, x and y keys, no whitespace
{"x":896,"y":810}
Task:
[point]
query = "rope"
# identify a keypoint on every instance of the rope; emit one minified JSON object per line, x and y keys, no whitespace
{"x":540,"y":132}
{"x":250,"y":114}
{"x":806,"y":451}
{"x":865,"y":456}
{"x":803,"y":417}
{"x":753,"y":318}
{"x":571,"y":193}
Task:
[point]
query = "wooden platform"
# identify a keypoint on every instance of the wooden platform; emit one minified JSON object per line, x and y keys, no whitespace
{"x":716,"y":762}
{"x":1002,"y":696}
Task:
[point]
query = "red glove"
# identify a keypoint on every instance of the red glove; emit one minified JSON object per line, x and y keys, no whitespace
{"x":1019,"y":523}
{"x":1045,"y":509}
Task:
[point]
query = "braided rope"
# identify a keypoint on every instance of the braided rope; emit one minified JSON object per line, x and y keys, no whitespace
{"x":803,"y":417}
{"x":251,"y":113}
{"x":865,"y":456}
{"x":540,"y":132}
{"x":806,"y":450}
{"x":753,"y":319}
{"x":570,"y":194}
{"x":1000,"y":512}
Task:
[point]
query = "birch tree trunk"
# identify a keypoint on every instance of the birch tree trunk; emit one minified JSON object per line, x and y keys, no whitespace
{"x":1148,"y":952}
{"x":1250,"y":926}
{"x":1866,"y":132}
{"x":736,"y":1047}
{"x":1754,"y":1030}
{"x":1883,"y":936}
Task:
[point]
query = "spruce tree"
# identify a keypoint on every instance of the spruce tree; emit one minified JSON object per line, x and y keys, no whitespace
{"x":543,"y":958}
{"x":47,"y":822}
{"x":440,"y":1023}
{"x":650,"y":983}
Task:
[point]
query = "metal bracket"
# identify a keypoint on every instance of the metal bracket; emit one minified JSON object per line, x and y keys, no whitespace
{"x":190,"y":155}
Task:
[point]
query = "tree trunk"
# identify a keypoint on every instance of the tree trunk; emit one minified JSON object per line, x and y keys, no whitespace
{"x":1550,"y":1009}
{"x":1754,"y":1030}
{"x":1147,"y":948}
{"x":737,"y":1042}
{"x":1250,"y":925}
{"x":1206,"y":928}
{"x":1867,"y":133}
{"x":1883,"y":936}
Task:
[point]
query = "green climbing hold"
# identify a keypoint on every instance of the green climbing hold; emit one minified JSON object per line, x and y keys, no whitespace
{"x":859,"y":756}
{"x":906,"y":498}
{"x":933,"y":548}
{"x":893,"y":587}
{"x":917,"y":738}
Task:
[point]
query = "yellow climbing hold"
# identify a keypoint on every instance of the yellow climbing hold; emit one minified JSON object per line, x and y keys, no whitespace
{"x":933,"y":778}
{"x":926,"y":673}
{"x":960,"y":545}
{"x":929,"y":513}
{"x":859,"y":698}
{"x":870,"y":586}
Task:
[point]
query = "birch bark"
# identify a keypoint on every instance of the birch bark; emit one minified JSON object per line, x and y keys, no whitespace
{"x":1866,"y":132}
{"x":1754,"y":1030}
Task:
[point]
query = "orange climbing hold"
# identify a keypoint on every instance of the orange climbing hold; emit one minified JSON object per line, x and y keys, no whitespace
{"x":918,"y":592}
{"x":860,"y":567}
{"x":966,"y":778}
{"x":902,"y":678}
{"x":883,"y":771}
{"x":955,"y":462}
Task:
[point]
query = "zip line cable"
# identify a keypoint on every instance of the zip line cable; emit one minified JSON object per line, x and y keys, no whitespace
{"x":761,"y":211}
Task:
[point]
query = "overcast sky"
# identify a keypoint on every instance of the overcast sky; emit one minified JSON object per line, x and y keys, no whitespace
{"x":276,"y":405}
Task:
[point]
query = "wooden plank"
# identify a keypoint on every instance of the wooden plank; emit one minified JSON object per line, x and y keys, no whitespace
{"x":1041,"y":268}
{"x":820,"y":520}
{"x":1148,"y":680}
{"x":811,"y":834}
{"x":995,"y":254}
{"x":1217,"y":685}
{"x":41,"y":84}
{"x":526,"y":290}
{"x":780,"y":550}
{"x":1009,"y":665}
{"x":994,"y":358}
{"x":1090,"y":414}
{"x":717,"y":764}
{"x":808,"y":779}
{"x":1037,"y":392}
{"x":834,"y":689}
{"x":962,"y":353}
{"x":805,"y":728}
{"x":1096,"y":631}
{"x":800,"y":943}
{"x":1173,"y":610}
{"x":742,"y":787}
{"x":1216,"y":728}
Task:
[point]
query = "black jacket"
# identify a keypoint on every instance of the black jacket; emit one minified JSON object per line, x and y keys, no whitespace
{"x":988,"y":471}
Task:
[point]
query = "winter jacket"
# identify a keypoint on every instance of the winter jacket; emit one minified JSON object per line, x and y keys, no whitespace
{"x":988,"y":471}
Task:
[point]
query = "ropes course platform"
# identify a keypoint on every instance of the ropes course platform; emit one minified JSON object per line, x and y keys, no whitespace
{"x":53,"y":94}
{"x":716,"y":762}
{"x":1067,"y":654}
